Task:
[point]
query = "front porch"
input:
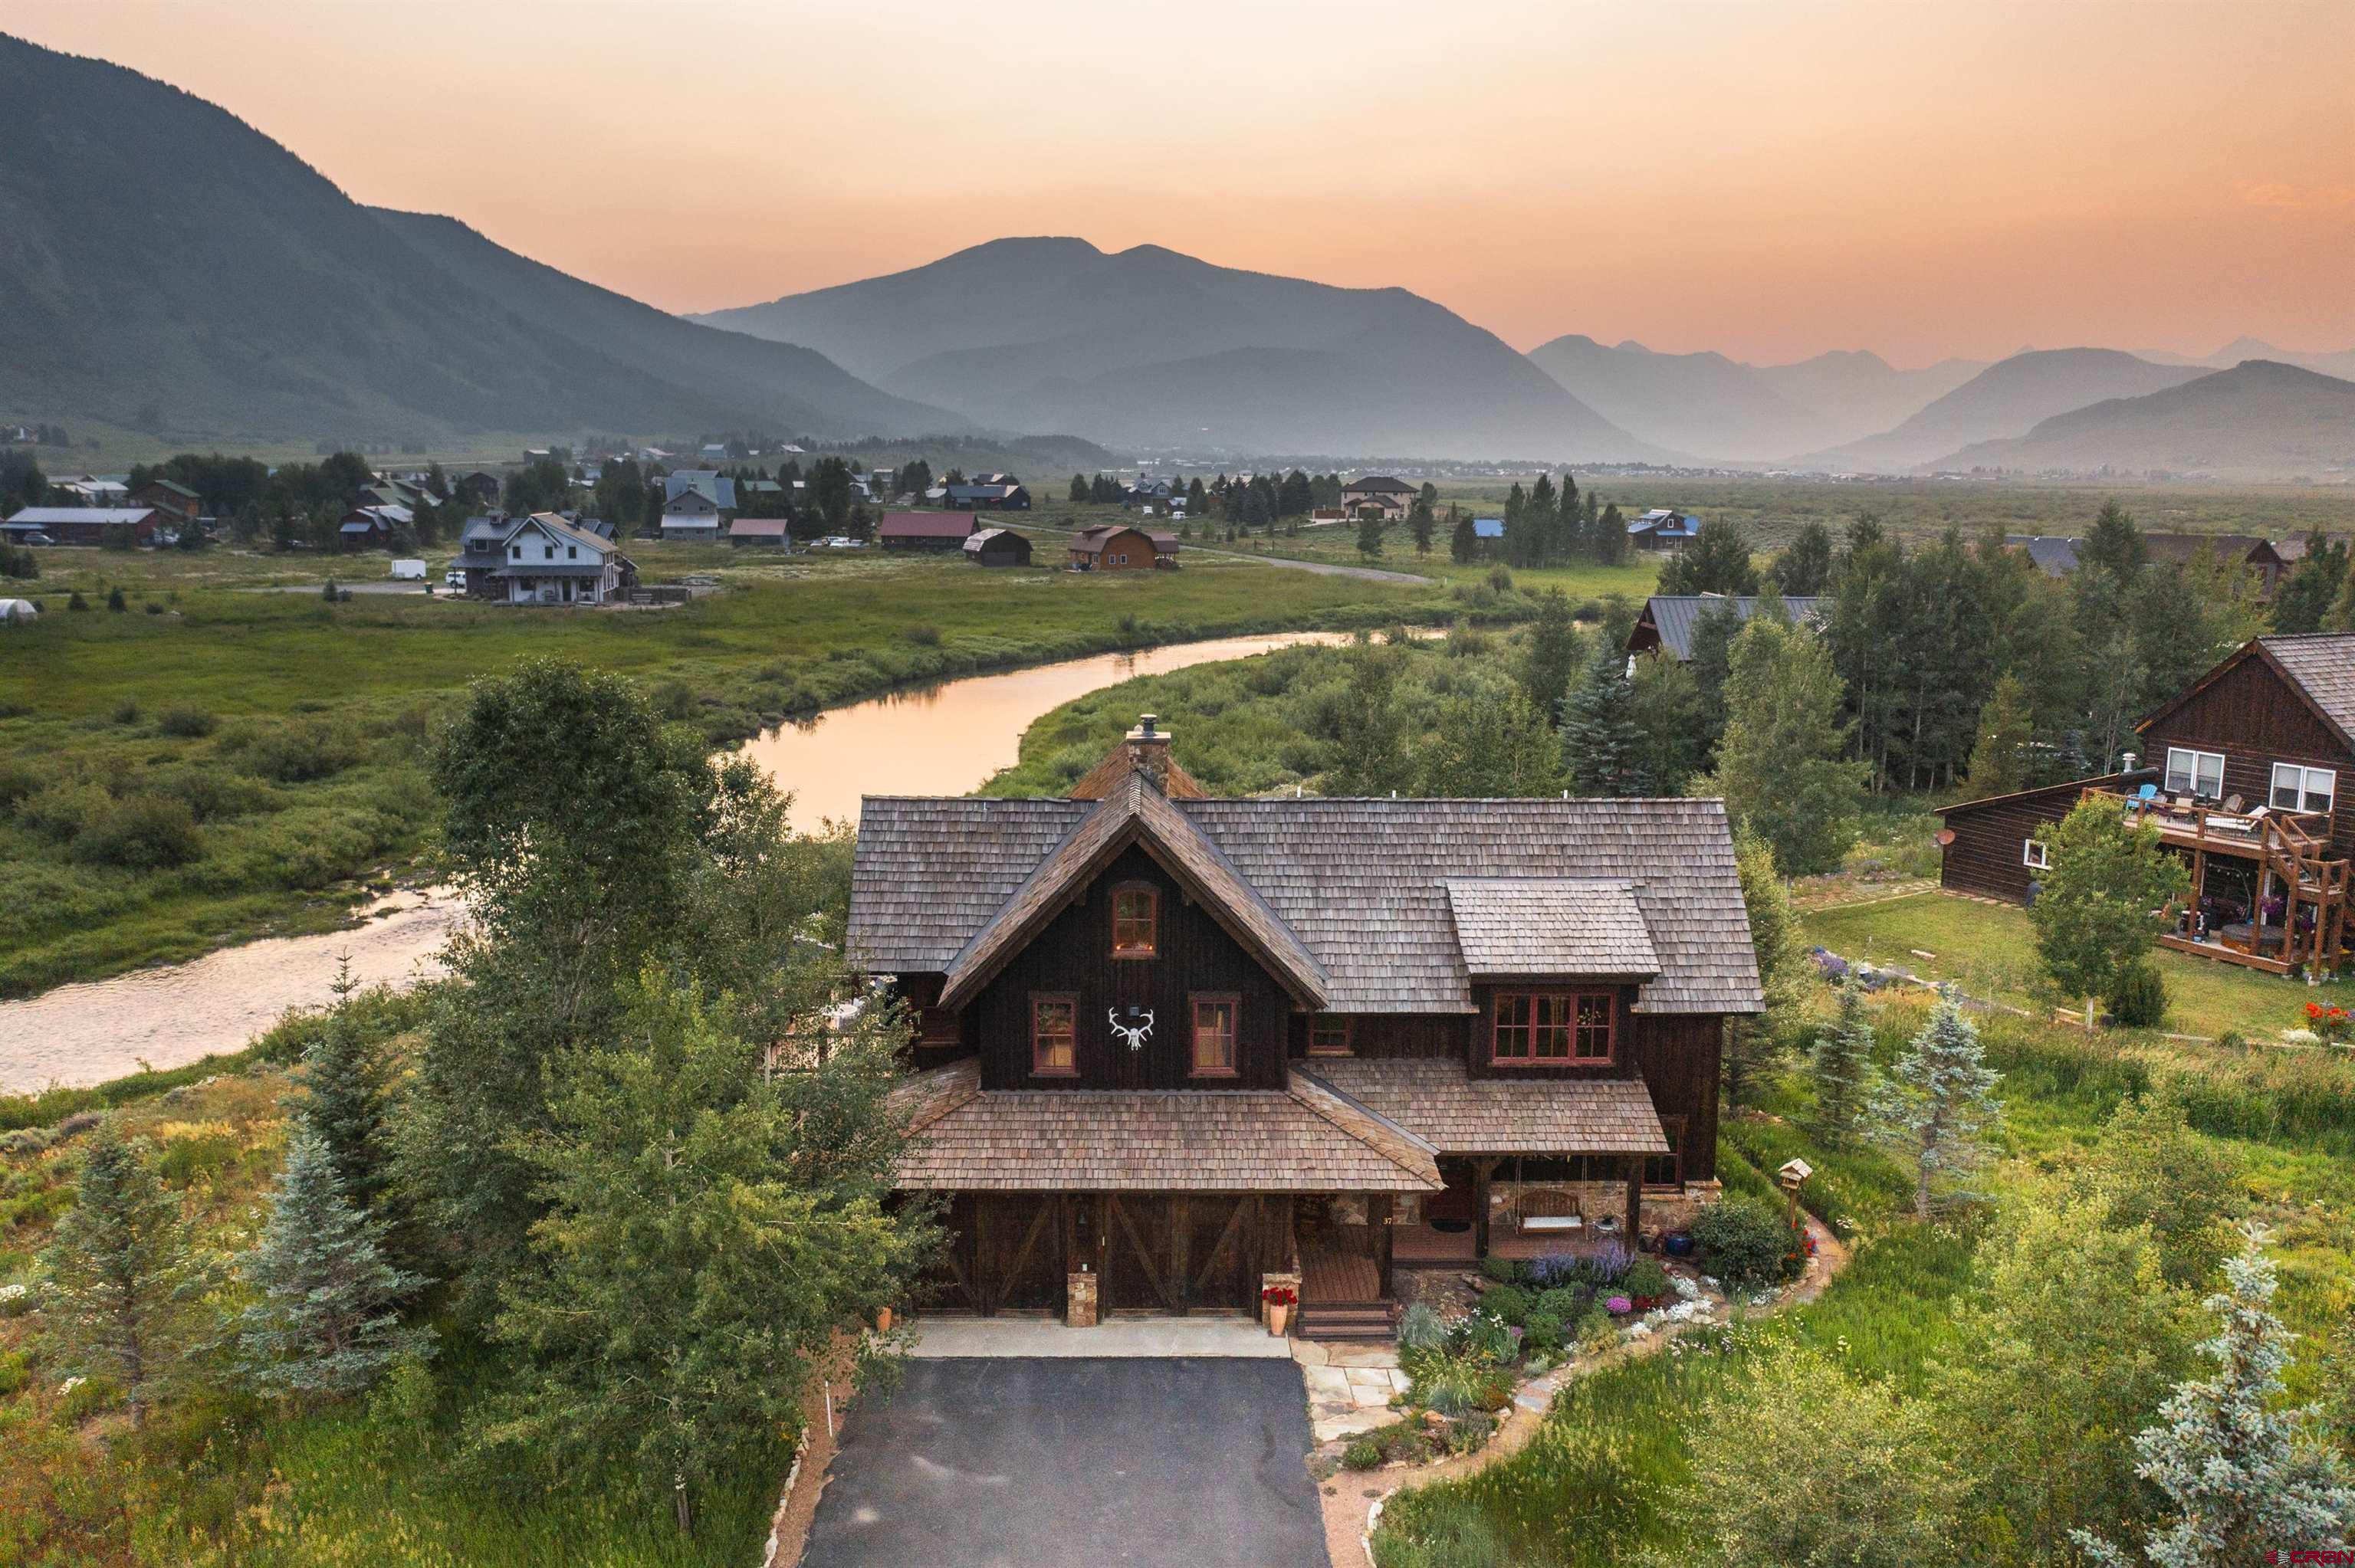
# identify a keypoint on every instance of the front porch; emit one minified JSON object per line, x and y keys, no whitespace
{"x":2267,"y":893}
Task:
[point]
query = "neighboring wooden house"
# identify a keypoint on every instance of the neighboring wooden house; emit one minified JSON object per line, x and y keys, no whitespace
{"x":1663,"y":528}
{"x":1667,"y":625}
{"x":1119,"y":547}
{"x":2264,"y":564}
{"x":1382,"y":493}
{"x":1191,"y":1046}
{"x":2243,"y":771}
{"x":371,"y":527}
{"x":81,"y":525}
{"x":770,"y":530}
{"x":2055,"y":555}
{"x":549,"y":557}
{"x":997,"y":547}
{"x":479,"y":488}
{"x":1004,"y":496}
{"x":173,"y":504}
{"x":924,"y":530}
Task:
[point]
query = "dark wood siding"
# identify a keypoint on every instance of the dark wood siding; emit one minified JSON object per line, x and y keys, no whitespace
{"x":2252,"y":715}
{"x":1986,"y":856}
{"x":1677,"y":1054}
{"x":1397,"y":1034}
{"x":1073,"y":955}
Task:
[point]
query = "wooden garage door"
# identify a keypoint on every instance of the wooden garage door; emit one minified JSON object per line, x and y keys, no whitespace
{"x":1173,"y":1254}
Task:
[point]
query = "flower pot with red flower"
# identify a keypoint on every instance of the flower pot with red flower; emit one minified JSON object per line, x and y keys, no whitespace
{"x":1280,"y":1300}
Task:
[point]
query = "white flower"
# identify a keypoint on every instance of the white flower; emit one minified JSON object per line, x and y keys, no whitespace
{"x":70,"y":1384}
{"x":12,"y":1293}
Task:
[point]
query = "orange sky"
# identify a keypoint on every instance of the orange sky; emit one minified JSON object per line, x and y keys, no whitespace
{"x":1768,"y":179}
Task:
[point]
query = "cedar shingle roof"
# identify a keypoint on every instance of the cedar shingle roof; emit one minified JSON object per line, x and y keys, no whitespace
{"x":2323,"y":663}
{"x":1359,"y":884}
{"x":1135,"y":812}
{"x":1433,"y":1098}
{"x":1302,"y":1138}
{"x":1562,"y":926}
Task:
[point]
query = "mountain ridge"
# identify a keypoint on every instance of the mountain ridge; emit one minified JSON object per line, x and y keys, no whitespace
{"x":2261,"y":419}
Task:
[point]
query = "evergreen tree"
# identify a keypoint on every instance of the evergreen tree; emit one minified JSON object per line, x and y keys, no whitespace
{"x":1196,"y":499}
{"x":2312,"y":587}
{"x":714,"y":1231}
{"x":1370,"y":534}
{"x":2113,"y":544}
{"x":1753,"y":1046}
{"x":1609,"y":532}
{"x":1999,"y":757}
{"x":1488,"y":746}
{"x":1421,"y":523}
{"x":1936,"y":1108}
{"x":1295,"y":496}
{"x":1603,"y":740}
{"x":1517,"y":533}
{"x":1780,"y":767}
{"x":1668,"y":714}
{"x":121,"y":1289}
{"x":2242,"y":1474}
{"x":1539,"y":516}
{"x":1079,"y":491}
{"x":1840,"y":1066}
{"x":1715,"y":560}
{"x":2104,"y":899}
{"x":1550,"y":655}
{"x":1463,"y":540}
{"x":1571,"y":536}
{"x":1806,"y":568}
{"x":342,"y":1098}
{"x":327,"y":1323}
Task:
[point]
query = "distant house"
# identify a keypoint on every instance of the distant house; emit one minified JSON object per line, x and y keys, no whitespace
{"x":1390,"y":497}
{"x":720,"y":488}
{"x":988,"y":498}
{"x":997,"y":547}
{"x":692,"y":515}
{"x":1666,"y":626}
{"x":480,"y":488}
{"x":1117,"y":547}
{"x":924,"y":531}
{"x":2265,"y":565}
{"x":173,"y":502}
{"x":769,"y":530}
{"x":92,"y":490}
{"x":545,"y":558}
{"x":2054,"y":556}
{"x":81,"y":524}
{"x":1663,"y":529}
{"x":371,"y":527}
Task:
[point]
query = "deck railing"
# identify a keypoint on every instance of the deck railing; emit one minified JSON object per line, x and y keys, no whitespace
{"x":2302,"y":833}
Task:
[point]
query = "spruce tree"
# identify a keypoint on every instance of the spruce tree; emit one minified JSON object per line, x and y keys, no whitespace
{"x":1463,"y":539}
{"x":1603,"y":740}
{"x":1754,"y":1046}
{"x":1570,"y":533}
{"x":327,"y":1323}
{"x":1517,"y":536}
{"x":343,"y":1096}
{"x":122,"y":1289}
{"x":1610,"y":533}
{"x":1841,"y":1066}
{"x":2243,"y":1477}
{"x":1551,"y":656}
{"x":1999,"y":763}
{"x":1421,"y":523}
{"x":1936,"y":1108}
{"x":1539,"y":515}
{"x":1079,"y":488}
{"x":1370,"y":534}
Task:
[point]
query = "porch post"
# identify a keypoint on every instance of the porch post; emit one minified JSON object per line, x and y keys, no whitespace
{"x":1378,"y":1214}
{"x":1180,"y":1250}
{"x":1480,"y":1172}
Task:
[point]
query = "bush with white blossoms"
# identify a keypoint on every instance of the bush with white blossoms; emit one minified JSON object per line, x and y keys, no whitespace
{"x":15,"y":1300}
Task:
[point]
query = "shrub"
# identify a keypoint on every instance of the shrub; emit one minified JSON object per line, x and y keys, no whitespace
{"x":1488,"y":1339}
{"x":1506,"y":1304}
{"x":1541,"y":1333}
{"x":126,"y":711}
{"x":1564,"y":1302}
{"x":300,"y":750}
{"x":76,"y":602}
{"x":1743,"y":1242}
{"x":924,"y":634}
{"x":1501,"y":580}
{"x":64,"y":808}
{"x":140,"y":832}
{"x":2137,"y":996}
{"x":1467,"y":1432}
{"x":1361,"y":1455}
{"x":1420,"y":1329}
{"x":1595,"y":1329}
{"x":17,"y":782}
{"x":115,"y":602}
{"x":1504,"y":1270}
{"x":1645,"y":1276}
{"x":188,"y":723}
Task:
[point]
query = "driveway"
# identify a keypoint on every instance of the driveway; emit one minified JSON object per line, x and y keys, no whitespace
{"x":1038,"y":1463}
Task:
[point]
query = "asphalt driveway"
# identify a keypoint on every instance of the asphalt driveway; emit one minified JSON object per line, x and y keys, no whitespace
{"x":1036,"y":1463}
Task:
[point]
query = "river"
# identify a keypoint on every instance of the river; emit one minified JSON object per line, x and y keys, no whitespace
{"x":941,"y":739}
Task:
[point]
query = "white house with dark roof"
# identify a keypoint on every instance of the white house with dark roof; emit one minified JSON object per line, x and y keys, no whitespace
{"x":545,"y":558}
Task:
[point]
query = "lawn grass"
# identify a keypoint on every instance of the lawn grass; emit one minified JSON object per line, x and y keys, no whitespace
{"x":284,"y":681}
{"x":1990,"y":949}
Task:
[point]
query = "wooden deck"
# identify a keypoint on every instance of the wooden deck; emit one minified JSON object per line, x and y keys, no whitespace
{"x":1338,"y":1279}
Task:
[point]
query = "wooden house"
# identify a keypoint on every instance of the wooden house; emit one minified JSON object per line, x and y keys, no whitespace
{"x":173,"y":504}
{"x":548,"y":558}
{"x":1666,"y":626}
{"x":2264,"y":564}
{"x":1663,"y":528}
{"x":82,"y":524}
{"x":1191,"y":1046}
{"x":997,"y":547}
{"x":692,"y":514}
{"x":943,"y":531}
{"x":2239,"y":776}
{"x":371,"y":527}
{"x":998,"y":495}
{"x":1118,"y":547}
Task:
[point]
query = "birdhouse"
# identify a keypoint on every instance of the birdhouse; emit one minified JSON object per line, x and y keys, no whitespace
{"x":1794,"y":1173}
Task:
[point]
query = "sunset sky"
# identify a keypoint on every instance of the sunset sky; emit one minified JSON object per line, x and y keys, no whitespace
{"x":1769,"y":180}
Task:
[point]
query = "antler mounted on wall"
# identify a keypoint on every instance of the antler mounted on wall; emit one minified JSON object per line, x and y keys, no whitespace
{"x":1134,"y":1033}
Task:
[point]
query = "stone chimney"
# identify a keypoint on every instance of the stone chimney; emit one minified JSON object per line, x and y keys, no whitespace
{"x":1148,"y":750}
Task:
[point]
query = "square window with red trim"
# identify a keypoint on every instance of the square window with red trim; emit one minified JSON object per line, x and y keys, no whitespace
{"x":1135,"y":918}
{"x":1554,"y":1028}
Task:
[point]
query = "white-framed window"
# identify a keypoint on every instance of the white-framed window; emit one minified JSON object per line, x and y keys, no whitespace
{"x":2199,"y":773}
{"x":2034,"y":856}
{"x":2297,"y":788}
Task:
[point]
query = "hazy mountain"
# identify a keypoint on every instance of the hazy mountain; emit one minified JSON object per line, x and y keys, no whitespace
{"x":1147,"y":346}
{"x":164,"y":265}
{"x":2259,"y":420}
{"x":2006,"y":399}
{"x":1721,"y":407}
{"x":2340,"y":363}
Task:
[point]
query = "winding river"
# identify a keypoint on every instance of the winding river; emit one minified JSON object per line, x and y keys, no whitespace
{"x":940,"y":739}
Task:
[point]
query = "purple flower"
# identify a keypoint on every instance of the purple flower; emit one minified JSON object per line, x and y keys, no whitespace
{"x":1620,"y":1304}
